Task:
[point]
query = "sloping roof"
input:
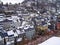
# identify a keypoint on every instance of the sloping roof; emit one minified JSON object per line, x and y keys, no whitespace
{"x":3,"y":34}
{"x":6,"y":20}
{"x":51,"y":41}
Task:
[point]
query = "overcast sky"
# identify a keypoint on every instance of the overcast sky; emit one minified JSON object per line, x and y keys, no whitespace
{"x":12,"y":1}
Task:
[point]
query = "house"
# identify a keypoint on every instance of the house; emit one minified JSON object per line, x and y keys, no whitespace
{"x":16,"y":21}
{"x":6,"y":23}
{"x":29,"y":31}
{"x":1,"y":41}
{"x":11,"y":37}
{"x":2,"y":17}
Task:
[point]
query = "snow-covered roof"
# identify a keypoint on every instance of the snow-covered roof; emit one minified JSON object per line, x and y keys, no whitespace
{"x":51,"y":41}
{"x":48,"y":24}
{"x":10,"y":32}
{"x":19,"y":39}
{"x":26,"y":27}
{"x":15,"y":34}
{"x":20,"y":27}
{"x":0,"y":38}
{"x":9,"y":18}
{"x":31,"y":26}
{"x":18,"y":32}
{"x":24,"y":22}
{"x":1,"y":20}
{"x":42,"y":19}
